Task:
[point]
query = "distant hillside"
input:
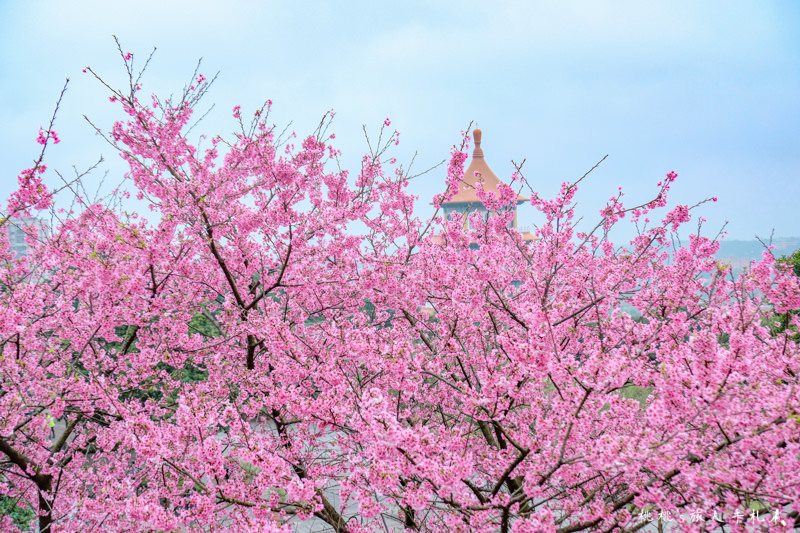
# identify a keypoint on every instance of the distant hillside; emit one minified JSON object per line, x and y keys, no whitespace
{"x":740,"y":253}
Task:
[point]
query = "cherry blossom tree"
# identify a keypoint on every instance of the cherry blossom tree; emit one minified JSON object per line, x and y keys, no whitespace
{"x":285,"y":342}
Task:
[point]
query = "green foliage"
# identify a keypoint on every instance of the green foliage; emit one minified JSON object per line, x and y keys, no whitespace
{"x":190,"y":372}
{"x":781,"y":321}
{"x":640,"y":394}
{"x":369,"y":309}
{"x":793,"y":260}
{"x":154,"y":388}
{"x":204,"y":326}
{"x":23,"y":517}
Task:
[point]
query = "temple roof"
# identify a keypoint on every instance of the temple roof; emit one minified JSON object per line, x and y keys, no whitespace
{"x":466,"y":193}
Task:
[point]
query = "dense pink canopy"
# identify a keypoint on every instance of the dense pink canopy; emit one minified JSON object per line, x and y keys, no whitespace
{"x":245,"y":360}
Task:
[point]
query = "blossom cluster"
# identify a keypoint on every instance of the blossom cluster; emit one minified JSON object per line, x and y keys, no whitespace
{"x":288,"y":342}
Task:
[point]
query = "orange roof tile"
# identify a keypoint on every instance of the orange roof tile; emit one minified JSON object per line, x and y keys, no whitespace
{"x":477,"y":170}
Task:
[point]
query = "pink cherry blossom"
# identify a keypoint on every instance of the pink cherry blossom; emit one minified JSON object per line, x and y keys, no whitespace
{"x":285,"y":341}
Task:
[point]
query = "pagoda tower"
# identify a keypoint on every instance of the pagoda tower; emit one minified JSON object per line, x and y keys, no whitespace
{"x":466,"y":200}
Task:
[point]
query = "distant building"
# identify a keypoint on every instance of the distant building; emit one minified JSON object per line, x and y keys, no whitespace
{"x":466,"y":200}
{"x":18,"y":228}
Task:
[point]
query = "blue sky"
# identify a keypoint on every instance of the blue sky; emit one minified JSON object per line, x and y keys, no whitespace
{"x":708,"y":89}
